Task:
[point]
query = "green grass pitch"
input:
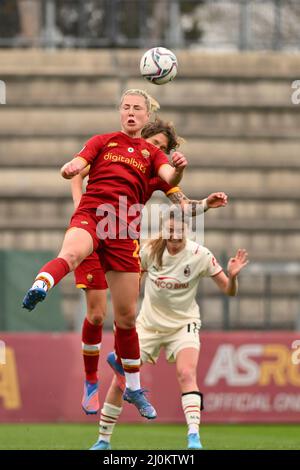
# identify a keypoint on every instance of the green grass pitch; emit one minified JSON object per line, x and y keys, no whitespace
{"x":148,"y":436}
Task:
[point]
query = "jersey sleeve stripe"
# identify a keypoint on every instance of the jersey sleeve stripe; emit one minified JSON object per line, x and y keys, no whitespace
{"x":82,"y":158}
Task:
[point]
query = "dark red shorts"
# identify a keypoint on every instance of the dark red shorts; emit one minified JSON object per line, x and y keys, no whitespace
{"x":90,"y":274}
{"x":114,"y":254}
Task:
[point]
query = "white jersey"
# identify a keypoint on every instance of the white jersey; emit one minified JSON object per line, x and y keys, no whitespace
{"x":169,"y":301}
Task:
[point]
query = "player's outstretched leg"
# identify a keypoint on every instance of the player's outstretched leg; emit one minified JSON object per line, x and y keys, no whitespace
{"x":77,"y":245}
{"x":50,"y":274}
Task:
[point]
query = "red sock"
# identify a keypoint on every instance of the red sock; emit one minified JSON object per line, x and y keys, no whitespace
{"x":128,"y":348}
{"x":91,"y":344}
{"x":53,"y":271}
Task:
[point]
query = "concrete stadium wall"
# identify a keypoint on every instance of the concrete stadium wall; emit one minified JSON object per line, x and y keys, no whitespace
{"x":234,"y":110}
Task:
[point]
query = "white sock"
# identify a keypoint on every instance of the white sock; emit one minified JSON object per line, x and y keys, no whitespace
{"x":193,"y":429}
{"x":43,"y":281}
{"x":133,"y":380}
{"x":108,"y":419}
{"x":191,"y":404}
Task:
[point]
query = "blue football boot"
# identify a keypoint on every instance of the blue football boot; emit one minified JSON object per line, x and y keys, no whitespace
{"x":101,"y":445}
{"x":90,"y":400}
{"x":138,"y":399}
{"x":194,"y":442}
{"x":33,"y":296}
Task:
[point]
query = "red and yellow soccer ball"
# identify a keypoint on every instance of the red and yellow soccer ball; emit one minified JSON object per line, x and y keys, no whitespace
{"x":159,"y":65}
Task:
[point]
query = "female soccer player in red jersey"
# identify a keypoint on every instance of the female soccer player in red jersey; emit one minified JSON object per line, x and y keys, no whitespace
{"x":107,"y":220}
{"x":90,"y":276}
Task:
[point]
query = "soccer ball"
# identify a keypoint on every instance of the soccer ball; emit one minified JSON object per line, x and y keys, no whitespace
{"x":159,"y":65}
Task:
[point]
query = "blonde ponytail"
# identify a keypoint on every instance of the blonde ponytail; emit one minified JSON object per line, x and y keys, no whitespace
{"x":154,"y":104}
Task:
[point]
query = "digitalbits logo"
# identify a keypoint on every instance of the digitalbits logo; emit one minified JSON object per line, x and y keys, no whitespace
{"x":2,"y":92}
{"x":2,"y":353}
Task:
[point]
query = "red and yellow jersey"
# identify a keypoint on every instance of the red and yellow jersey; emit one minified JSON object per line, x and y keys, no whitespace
{"x":120,"y":166}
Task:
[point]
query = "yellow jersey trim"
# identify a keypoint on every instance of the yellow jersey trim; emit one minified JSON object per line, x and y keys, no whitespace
{"x":175,"y":189}
{"x":82,"y":158}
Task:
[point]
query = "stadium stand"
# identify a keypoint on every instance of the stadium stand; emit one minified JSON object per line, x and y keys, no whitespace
{"x":242,"y":132}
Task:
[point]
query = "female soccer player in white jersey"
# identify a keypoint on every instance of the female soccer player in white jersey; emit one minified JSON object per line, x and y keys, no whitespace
{"x":169,"y":318}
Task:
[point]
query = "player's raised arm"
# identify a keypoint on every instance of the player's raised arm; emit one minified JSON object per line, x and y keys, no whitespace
{"x":229,"y":284}
{"x":173,"y":175}
{"x":85,"y":157}
{"x":195,"y":207}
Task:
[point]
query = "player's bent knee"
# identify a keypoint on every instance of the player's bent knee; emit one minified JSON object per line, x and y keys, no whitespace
{"x":186,"y":376}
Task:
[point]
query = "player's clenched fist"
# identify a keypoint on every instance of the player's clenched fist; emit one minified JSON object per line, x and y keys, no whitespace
{"x":73,"y":168}
{"x":217,"y":200}
{"x":179,"y":161}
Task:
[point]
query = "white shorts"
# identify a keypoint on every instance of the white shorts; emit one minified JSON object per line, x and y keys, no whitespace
{"x":152,"y":341}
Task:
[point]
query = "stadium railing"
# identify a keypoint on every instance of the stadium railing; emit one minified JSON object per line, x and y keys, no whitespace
{"x":225,"y":24}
